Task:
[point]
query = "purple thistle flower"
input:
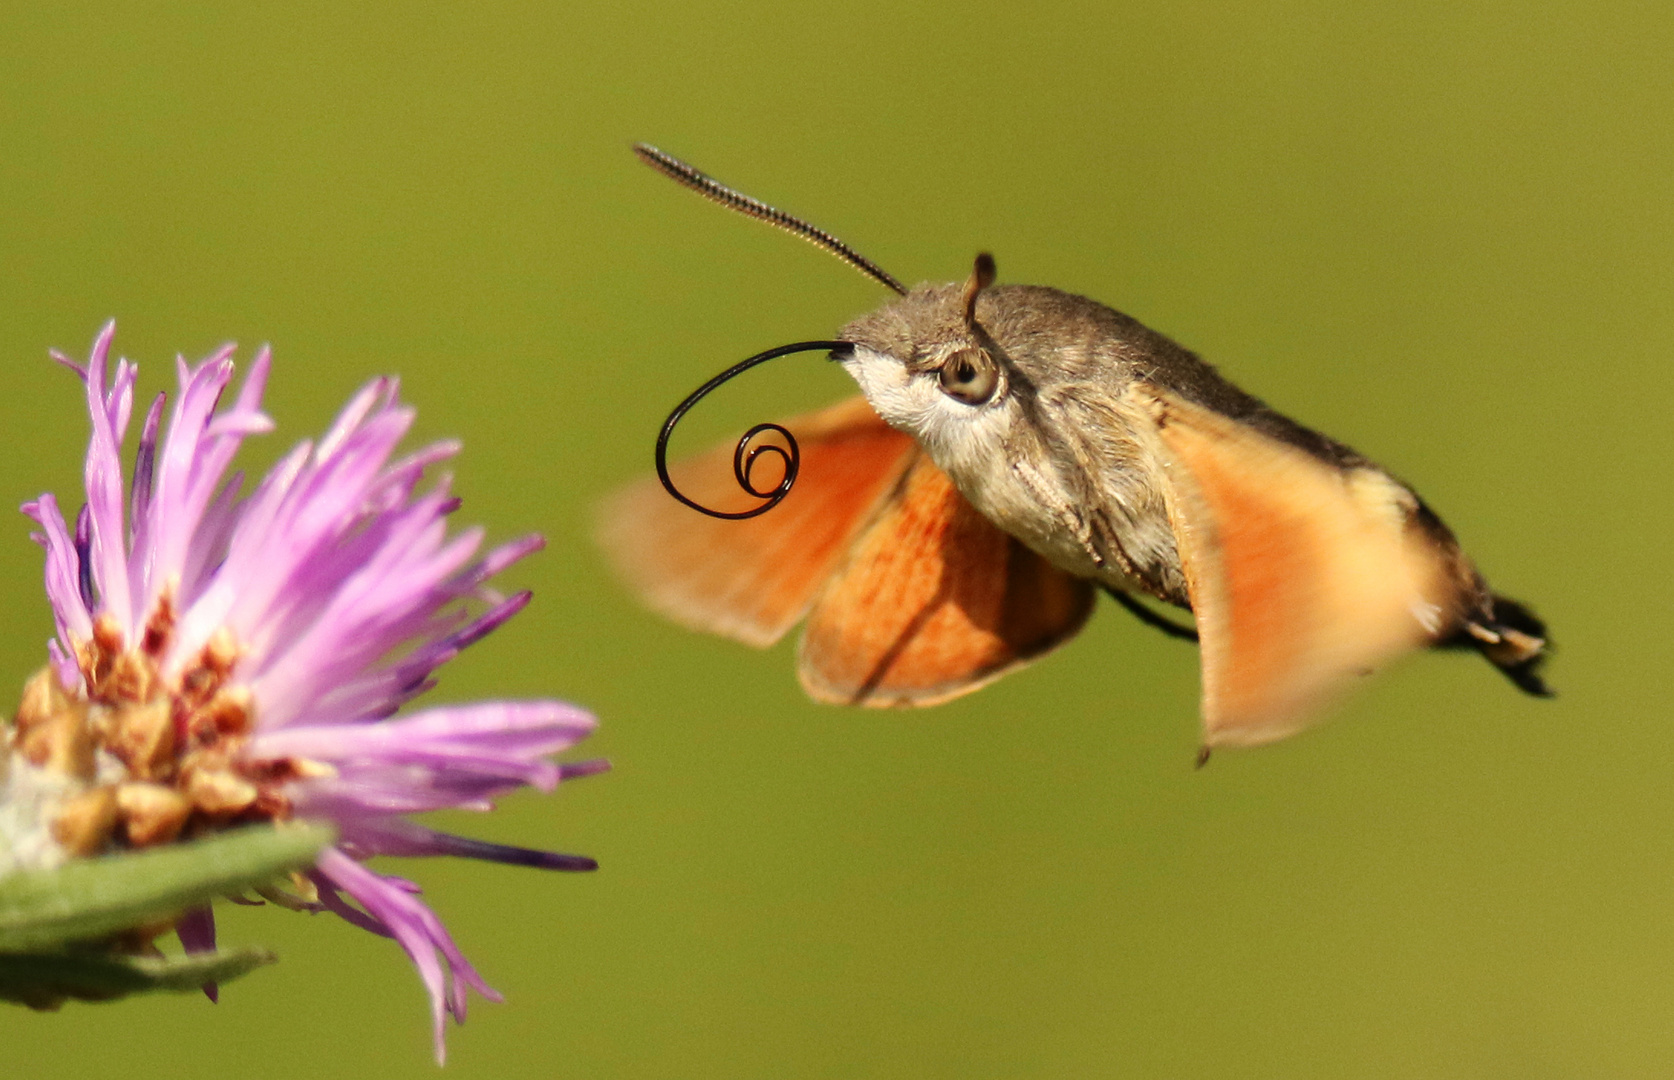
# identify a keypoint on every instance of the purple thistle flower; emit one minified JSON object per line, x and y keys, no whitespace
{"x":229,"y":656}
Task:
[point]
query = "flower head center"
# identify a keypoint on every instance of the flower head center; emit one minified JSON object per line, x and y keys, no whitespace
{"x":143,"y":757}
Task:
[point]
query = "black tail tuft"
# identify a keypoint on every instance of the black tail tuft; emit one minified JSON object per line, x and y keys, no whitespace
{"x":1513,"y":639}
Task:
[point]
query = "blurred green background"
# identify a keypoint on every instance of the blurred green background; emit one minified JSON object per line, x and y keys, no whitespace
{"x":1443,"y":233}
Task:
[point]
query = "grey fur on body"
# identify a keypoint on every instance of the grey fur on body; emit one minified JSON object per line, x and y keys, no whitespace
{"x":1063,"y":456}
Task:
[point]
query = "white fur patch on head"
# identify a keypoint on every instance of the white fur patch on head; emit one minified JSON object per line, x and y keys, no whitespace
{"x":897,"y":396}
{"x":913,"y":402}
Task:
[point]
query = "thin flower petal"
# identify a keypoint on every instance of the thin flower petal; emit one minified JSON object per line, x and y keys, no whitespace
{"x":398,"y":836}
{"x":145,"y":461}
{"x":443,"y":969}
{"x":104,"y":493}
{"x":63,"y":570}
{"x":196,"y":930}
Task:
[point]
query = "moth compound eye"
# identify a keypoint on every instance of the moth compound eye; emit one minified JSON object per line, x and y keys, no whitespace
{"x":971,"y":376}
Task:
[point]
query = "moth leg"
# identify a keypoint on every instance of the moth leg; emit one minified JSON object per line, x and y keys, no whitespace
{"x":1073,"y":521}
{"x":1151,"y":618}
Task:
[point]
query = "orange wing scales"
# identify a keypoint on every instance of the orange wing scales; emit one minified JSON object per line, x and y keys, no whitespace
{"x":1303,"y":575}
{"x":934,"y":602}
{"x":752,"y":580}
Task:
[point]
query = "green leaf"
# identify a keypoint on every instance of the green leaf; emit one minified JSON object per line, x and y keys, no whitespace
{"x":89,"y":899}
{"x":46,"y":980}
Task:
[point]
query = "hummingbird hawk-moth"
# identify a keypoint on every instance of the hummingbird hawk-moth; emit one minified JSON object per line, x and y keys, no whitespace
{"x":1014,"y":451}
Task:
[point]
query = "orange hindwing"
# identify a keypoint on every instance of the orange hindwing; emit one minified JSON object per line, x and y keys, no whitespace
{"x":933,"y":602}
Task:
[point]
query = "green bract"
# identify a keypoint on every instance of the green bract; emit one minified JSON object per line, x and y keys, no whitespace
{"x":52,"y":922}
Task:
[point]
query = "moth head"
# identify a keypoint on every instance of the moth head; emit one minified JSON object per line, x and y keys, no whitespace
{"x":930,"y":365}
{"x":956,"y":366}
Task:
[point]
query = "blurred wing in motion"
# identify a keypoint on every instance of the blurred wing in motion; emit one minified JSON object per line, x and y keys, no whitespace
{"x":754,"y":579}
{"x":1303,"y":575}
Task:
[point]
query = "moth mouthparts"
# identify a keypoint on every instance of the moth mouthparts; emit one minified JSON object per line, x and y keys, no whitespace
{"x":745,"y":456}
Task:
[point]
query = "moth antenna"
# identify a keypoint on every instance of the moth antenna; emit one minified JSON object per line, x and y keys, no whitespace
{"x":712,"y":189}
{"x":983,"y":273}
